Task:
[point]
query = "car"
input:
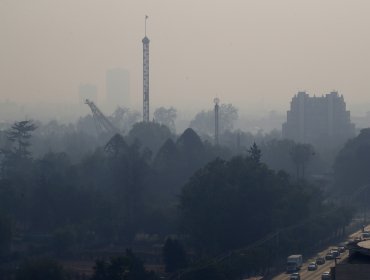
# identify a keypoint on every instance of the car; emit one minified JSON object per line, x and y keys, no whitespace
{"x":312,"y":266}
{"x":366,"y":235}
{"x":320,"y":260}
{"x":329,"y":256}
{"x":295,"y":276}
{"x":341,"y":249}
{"x":335,"y":253}
{"x":326,"y":276}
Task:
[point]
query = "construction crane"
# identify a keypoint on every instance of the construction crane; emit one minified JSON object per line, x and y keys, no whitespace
{"x":146,"y":42}
{"x":101,"y":122}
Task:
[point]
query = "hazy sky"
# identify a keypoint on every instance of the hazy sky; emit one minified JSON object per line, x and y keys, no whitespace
{"x":252,"y":53}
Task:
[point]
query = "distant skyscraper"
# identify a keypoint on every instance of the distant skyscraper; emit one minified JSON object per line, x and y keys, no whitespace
{"x":318,"y":120}
{"x":118,"y":88}
{"x":87,"y":91}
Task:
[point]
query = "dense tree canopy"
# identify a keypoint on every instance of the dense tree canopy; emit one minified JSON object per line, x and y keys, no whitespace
{"x":41,"y":270}
{"x":301,"y":161}
{"x":150,"y":135}
{"x":166,"y":116}
{"x":20,"y":134}
{"x":174,"y":255}
{"x":124,"y":118}
{"x":228,"y":204}
{"x":79,"y":192}
{"x":231,"y":206}
{"x":351,"y":168}
{"x":128,"y":267}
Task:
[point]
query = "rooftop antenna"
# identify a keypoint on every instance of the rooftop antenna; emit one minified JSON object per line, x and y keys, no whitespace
{"x":146,"y":18}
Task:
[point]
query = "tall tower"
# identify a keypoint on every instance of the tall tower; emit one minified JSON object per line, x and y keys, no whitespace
{"x":217,"y":107}
{"x":145,"y":76}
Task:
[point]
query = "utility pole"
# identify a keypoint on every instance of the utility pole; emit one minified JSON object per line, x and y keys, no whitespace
{"x":217,"y":109}
{"x":238,"y":142}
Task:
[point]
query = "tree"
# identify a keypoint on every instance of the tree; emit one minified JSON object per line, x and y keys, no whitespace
{"x":229,"y":204}
{"x":228,"y":115}
{"x":20,"y":134}
{"x":192,"y":153}
{"x":5,"y":235}
{"x":277,"y":155}
{"x":351,"y":166}
{"x":87,"y":125}
{"x":204,"y":121}
{"x":301,"y":155}
{"x":116,"y":145}
{"x":167,"y":156}
{"x":166,"y":116}
{"x":17,"y":162}
{"x":128,"y":267}
{"x":63,"y":240}
{"x":41,"y":270}
{"x":150,"y":135}
{"x":128,"y":170}
{"x":255,"y":153}
{"x":174,"y":255}
{"x":124,"y":118}
{"x":169,"y":174}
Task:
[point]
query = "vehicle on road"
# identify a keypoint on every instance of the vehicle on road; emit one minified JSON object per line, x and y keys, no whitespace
{"x":366,"y":235}
{"x":294,"y":263}
{"x":326,"y":276}
{"x":320,"y":260}
{"x":341,"y":249}
{"x":295,"y":276}
{"x":329,"y":256}
{"x":312,"y":266}
{"x":335,"y":253}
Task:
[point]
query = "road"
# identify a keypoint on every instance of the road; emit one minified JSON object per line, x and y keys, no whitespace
{"x":316,"y":275}
{"x":311,"y":275}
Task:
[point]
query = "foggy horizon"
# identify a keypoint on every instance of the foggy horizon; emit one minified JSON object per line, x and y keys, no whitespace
{"x":178,"y":140}
{"x":253,"y":54}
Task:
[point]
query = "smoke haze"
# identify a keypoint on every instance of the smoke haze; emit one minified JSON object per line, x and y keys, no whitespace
{"x":254,"y":54}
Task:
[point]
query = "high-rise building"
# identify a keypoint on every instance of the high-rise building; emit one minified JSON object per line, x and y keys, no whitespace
{"x":87,"y":91}
{"x":118,"y":88}
{"x":318,"y":120}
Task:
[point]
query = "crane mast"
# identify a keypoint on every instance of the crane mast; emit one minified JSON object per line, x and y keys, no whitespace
{"x":101,"y":122}
{"x":146,"y":42}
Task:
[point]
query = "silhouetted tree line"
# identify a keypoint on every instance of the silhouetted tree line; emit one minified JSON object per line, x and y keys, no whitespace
{"x":114,"y":192}
{"x":232,"y":204}
{"x":152,"y":181}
